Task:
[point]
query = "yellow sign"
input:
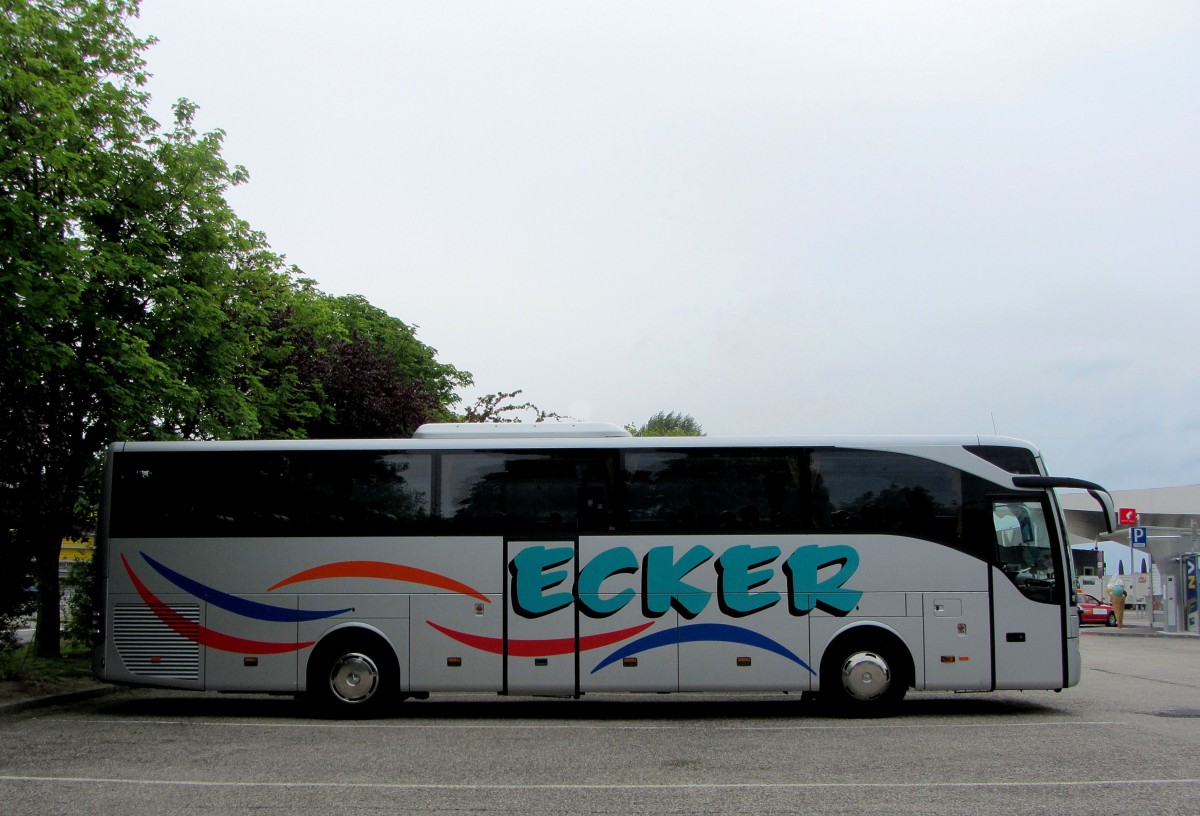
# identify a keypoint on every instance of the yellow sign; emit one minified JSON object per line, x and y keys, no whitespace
{"x":77,"y":550}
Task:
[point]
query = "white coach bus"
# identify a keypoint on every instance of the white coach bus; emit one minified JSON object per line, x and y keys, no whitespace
{"x":566,"y":559}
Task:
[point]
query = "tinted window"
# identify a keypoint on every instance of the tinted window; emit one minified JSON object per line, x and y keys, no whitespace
{"x":498,"y":492}
{"x":885,"y":492}
{"x":880,"y":492}
{"x":351,"y":493}
{"x":256,"y":493}
{"x":1015,"y":460}
{"x":717,"y":490}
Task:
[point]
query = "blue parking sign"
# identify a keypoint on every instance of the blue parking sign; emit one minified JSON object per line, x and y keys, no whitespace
{"x":1137,"y":536}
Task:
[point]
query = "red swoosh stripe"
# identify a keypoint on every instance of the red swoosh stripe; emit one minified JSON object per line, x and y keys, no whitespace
{"x":201,"y":634}
{"x":380,"y":569}
{"x":540,"y":648}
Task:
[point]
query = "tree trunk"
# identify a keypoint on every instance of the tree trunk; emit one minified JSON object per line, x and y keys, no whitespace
{"x":49,"y":615}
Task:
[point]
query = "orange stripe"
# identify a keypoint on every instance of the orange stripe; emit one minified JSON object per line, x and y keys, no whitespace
{"x":382,"y":570}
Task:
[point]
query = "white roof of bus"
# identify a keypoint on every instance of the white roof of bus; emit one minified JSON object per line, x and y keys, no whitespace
{"x":506,"y":436}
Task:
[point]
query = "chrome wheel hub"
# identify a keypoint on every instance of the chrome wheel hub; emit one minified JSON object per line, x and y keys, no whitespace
{"x":866,"y":676}
{"x":354,"y":678}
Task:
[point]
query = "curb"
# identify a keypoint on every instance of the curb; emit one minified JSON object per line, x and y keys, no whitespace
{"x":65,"y":698}
{"x":1136,"y":631}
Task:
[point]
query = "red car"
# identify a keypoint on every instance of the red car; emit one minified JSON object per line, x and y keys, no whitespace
{"x":1093,"y":610}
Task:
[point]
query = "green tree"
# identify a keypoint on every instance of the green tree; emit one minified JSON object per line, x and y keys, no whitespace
{"x":213,"y":281}
{"x":337,"y":367}
{"x":668,"y":423}
{"x":301,"y":328}
{"x":135,"y":304}
{"x":117,"y":252}
{"x":376,"y":379}
{"x":72,"y":126}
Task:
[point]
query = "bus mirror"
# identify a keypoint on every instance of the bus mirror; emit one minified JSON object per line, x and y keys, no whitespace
{"x":1109,"y":508}
{"x":1096,"y":491}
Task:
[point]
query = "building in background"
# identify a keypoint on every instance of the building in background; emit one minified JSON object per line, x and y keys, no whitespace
{"x":1163,"y":573}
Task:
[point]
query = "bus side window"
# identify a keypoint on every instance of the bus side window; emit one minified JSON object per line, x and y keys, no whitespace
{"x":717,"y":491}
{"x":516,"y":492}
{"x":1023,"y":548}
{"x":888,"y":493}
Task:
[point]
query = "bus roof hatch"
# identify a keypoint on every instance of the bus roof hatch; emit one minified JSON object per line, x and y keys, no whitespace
{"x":518,"y":430}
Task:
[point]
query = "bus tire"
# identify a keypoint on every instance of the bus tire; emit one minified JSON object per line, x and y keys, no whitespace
{"x":865,"y":674}
{"x":353,"y":674}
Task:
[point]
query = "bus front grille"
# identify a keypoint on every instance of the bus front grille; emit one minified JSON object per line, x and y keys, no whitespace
{"x":150,"y":648}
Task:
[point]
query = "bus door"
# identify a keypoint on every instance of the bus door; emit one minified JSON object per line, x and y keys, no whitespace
{"x":540,"y":626}
{"x":1028,"y":595}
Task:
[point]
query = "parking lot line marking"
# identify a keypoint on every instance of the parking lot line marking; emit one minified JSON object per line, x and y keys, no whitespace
{"x":441,"y":726}
{"x":595,"y":726}
{"x":88,"y":780}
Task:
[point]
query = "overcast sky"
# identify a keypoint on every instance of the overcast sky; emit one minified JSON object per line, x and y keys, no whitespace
{"x":784,"y":218}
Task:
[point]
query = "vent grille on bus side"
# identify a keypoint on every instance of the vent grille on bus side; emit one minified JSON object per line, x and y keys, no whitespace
{"x":149,"y":648}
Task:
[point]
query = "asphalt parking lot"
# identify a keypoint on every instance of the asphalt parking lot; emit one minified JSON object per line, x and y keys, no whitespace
{"x":1126,"y":739}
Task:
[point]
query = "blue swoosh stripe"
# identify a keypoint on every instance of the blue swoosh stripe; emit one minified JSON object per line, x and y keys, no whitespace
{"x":697,"y":632}
{"x":236,"y":605}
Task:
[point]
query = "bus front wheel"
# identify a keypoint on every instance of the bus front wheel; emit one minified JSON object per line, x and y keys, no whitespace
{"x":864,"y":676}
{"x":353,"y":675}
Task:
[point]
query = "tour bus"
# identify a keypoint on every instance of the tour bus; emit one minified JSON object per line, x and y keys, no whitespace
{"x":568,"y":559}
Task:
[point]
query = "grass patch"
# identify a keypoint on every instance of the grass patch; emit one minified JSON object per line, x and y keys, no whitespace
{"x":21,"y":664}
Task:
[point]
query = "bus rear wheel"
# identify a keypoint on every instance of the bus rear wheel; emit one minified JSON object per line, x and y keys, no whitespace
{"x":354,"y":675}
{"x":864,"y":676}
